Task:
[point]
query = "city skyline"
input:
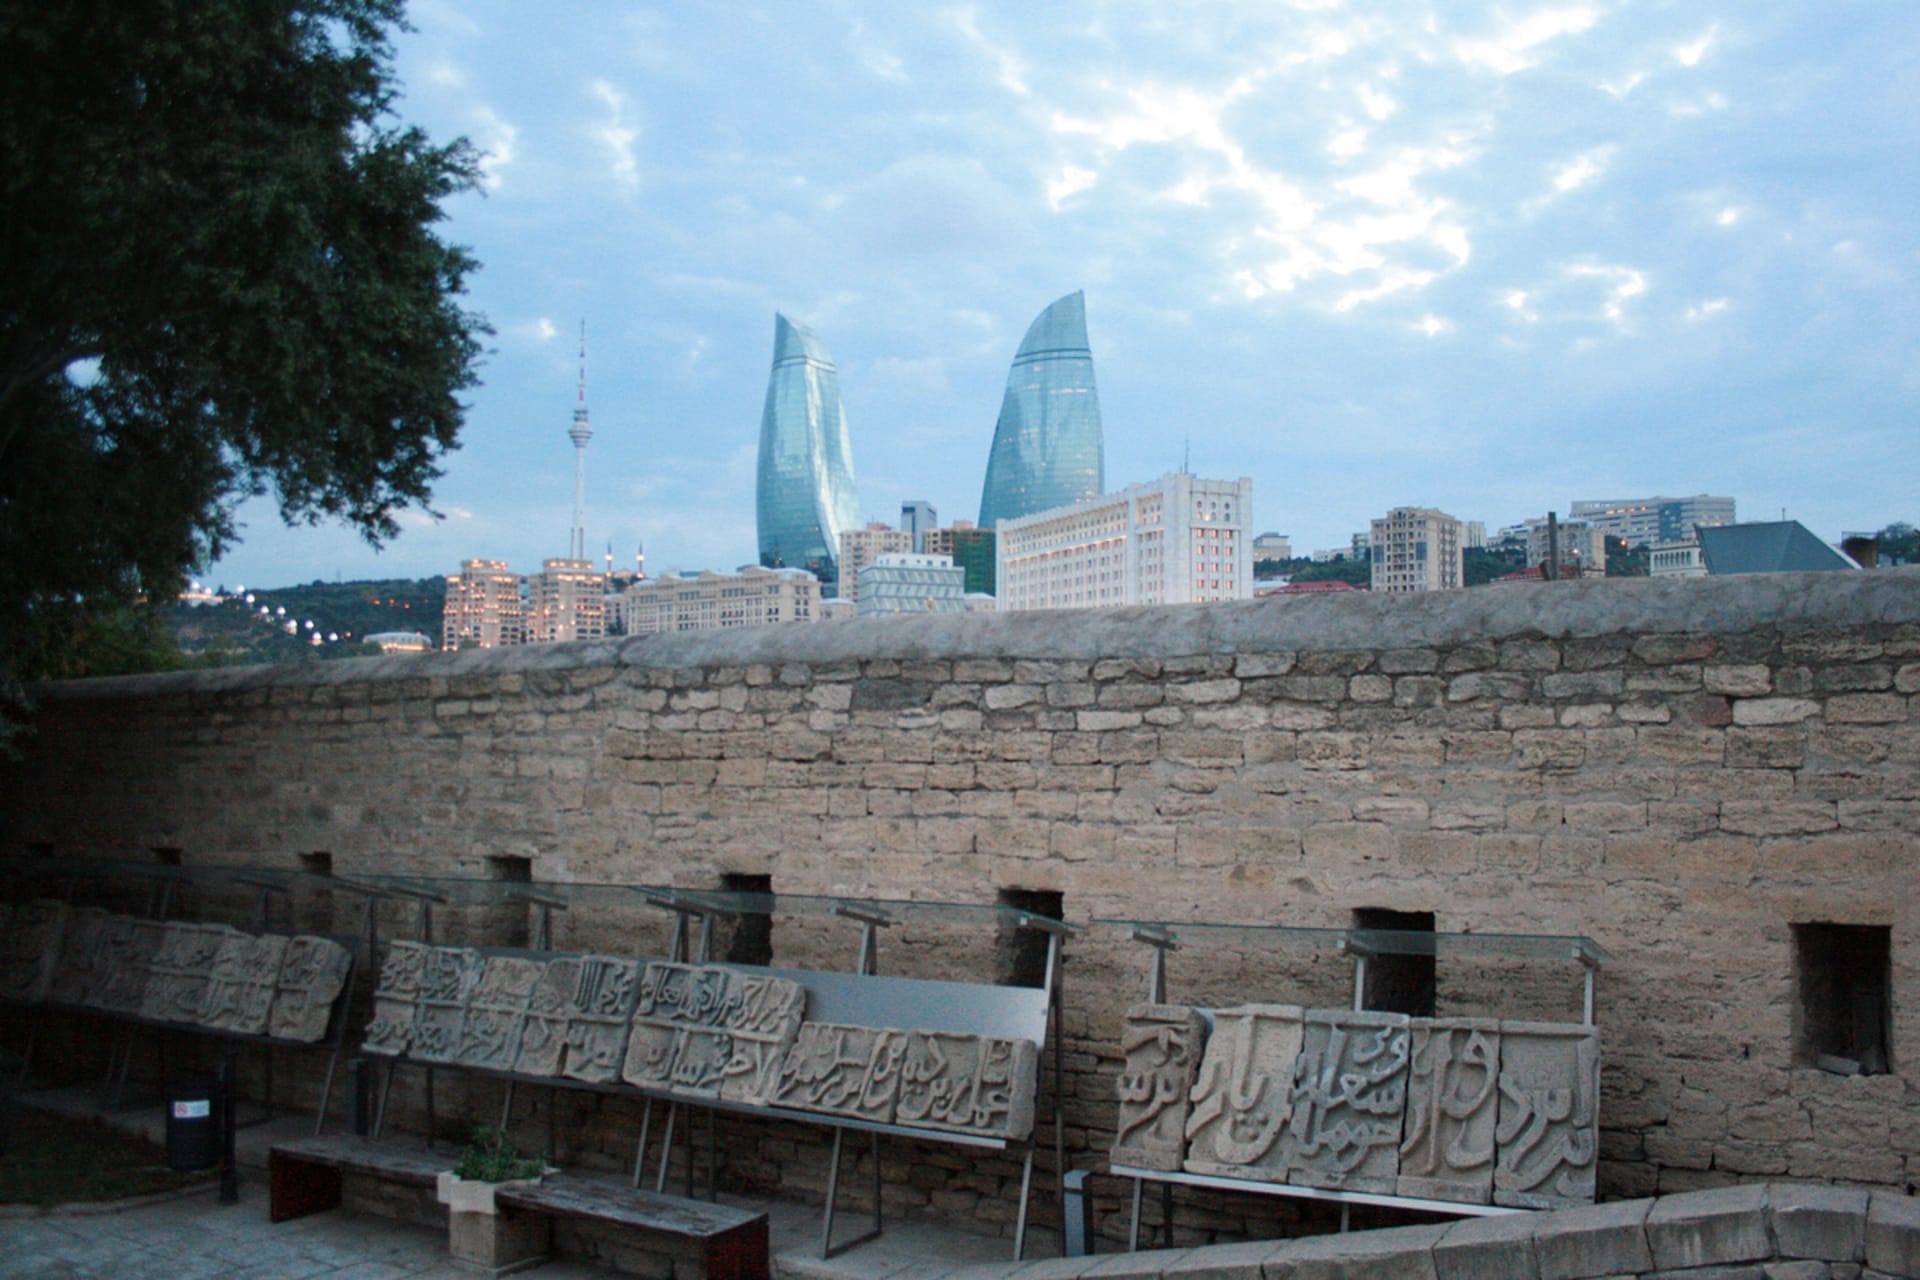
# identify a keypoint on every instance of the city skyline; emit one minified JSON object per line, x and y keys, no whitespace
{"x":1482,"y":263}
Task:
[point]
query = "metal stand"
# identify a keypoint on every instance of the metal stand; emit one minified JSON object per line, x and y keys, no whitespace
{"x":827,"y":1246}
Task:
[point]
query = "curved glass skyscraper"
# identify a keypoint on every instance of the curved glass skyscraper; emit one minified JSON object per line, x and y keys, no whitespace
{"x":1046,"y":446}
{"x":806,"y":490}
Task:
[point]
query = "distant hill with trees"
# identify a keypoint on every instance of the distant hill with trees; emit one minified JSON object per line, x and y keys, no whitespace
{"x":237,"y":631}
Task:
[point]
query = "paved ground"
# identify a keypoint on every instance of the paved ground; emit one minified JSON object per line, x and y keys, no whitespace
{"x":193,"y":1237}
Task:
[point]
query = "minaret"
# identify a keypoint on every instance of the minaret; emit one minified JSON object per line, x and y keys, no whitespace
{"x":580,"y":433}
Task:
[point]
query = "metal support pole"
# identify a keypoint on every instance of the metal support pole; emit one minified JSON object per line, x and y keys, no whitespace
{"x":640,"y":1148}
{"x":1026,"y":1192}
{"x":229,"y":1167}
{"x":1133,"y":1220}
{"x":666,"y":1147}
{"x":506,"y":1109}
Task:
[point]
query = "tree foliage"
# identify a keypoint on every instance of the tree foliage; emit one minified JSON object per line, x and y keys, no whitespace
{"x":1898,"y":543}
{"x":221,"y":279}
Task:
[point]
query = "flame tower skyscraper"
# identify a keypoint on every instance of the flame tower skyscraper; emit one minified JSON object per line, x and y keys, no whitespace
{"x":806,"y":492}
{"x":1047,"y":450}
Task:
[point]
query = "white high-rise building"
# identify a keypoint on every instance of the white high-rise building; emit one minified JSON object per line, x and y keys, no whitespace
{"x":1177,"y":540}
{"x":861,"y":547}
{"x":483,"y":608}
{"x":1645,"y":521}
{"x":566,"y":600}
{"x":1417,"y":549}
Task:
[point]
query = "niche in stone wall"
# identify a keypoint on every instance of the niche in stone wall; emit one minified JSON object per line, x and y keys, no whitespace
{"x":1023,"y":952}
{"x":313,"y":906}
{"x":1398,"y":983}
{"x":1844,"y":974}
{"x":751,"y":941}
{"x":508,"y":924}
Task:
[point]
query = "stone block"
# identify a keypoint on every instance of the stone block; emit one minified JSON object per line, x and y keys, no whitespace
{"x":1743,"y":681}
{"x":1161,"y":1047}
{"x":1893,"y":1234}
{"x":1447,"y":1140}
{"x":1397,"y":1253}
{"x":1757,"y":711}
{"x":313,"y":973}
{"x":1796,"y":1271}
{"x":1828,"y":1223}
{"x":1866,"y":708}
{"x":1548,"y":1130}
{"x":390,"y":1029}
{"x":843,"y":1070}
{"x":1242,"y":1095}
{"x":1496,"y":1248}
{"x":1245,"y":1260}
{"x":967,"y":1084}
{"x":1604,"y":1240}
{"x":1349,"y":1094}
{"x":1710,"y":1228}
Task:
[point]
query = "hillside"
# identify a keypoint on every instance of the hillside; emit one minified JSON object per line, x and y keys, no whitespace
{"x":237,"y":631}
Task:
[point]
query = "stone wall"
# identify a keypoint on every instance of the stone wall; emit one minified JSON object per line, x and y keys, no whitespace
{"x":1682,"y":770}
{"x":1762,"y":1231}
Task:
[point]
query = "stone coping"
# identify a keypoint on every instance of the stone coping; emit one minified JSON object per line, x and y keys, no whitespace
{"x":1720,"y":1234}
{"x":1342,"y":620}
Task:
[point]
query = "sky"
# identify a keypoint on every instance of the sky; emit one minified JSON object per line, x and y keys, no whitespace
{"x":1485,"y":258}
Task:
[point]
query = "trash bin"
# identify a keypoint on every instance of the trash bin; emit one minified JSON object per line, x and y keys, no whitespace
{"x":193,"y":1124}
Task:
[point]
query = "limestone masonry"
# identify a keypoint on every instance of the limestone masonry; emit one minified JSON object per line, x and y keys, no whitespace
{"x":1704,"y":776}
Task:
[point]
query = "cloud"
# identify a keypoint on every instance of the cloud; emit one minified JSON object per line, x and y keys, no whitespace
{"x":443,"y":74}
{"x":1622,"y":284}
{"x":1433,"y":326}
{"x":1009,"y":68}
{"x":1583,"y":169}
{"x":498,"y":142}
{"x":1691,"y":53}
{"x":616,"y":134}
{"x":1071,"y":179}
{"x":540,"y":329}
{"x":1516,"y":47}
{"x":1711,"y":307}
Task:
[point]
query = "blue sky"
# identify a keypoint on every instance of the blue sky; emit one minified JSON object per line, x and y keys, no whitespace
{"x":1487,"y":258}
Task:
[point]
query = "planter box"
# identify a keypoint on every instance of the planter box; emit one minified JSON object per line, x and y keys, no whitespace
{"x":486,"y":1239}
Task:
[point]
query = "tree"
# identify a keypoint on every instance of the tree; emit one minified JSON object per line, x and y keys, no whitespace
{"x":222,"y":279}
{"x":1899,"y":543}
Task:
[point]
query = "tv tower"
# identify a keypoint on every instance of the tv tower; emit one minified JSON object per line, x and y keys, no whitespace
{"x":580,"y":432}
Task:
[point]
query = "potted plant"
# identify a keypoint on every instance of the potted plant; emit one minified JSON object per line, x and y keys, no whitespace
{"x":479,"y":1236}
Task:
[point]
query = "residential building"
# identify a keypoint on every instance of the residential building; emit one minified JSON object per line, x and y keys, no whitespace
{"x":971,"y":547}
{"x":707,"y":601}
{"x":1642,"y":522}
{"x":1178,"y":540}
{"x":1474,"y":535}
{"x":1581,"y":544}
{"x":1047,"y":450}
{"x":918,"y":518}
{"x":483,"y":608}
{"x":1417,"y":549}
{"x":1272,"y":546}
{"x":805,"y":481}
{"x":566,"y":600}
{"x":861,"y":547}
{"x":910,"y":582}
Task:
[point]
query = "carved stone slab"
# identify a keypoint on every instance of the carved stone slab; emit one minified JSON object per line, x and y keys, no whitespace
{"x":446,"y":985}
{"x":1349,"y":1093}
{"x":1242,"y":1098}
{"x":543,"y":1032}
{"x":30,"y":948}
{"x":1446,"y":1141}
{"x":764,"y":1015}
{"x":967,"y":1083}
{"x":125,"y":956}
{"x":240,"y":990}
{"x":178,"y":976}
{"x":76,"y":973}
{"x":490,"y":1036}
{"x":313,"y":972}
{"x":1161,"y":1047}
{"x":1549,"y":1125}
{"x":711,"y":1032}
{"x":395,"y":995}
{"x":843,"y":1070}
{"x":598,"y":1018}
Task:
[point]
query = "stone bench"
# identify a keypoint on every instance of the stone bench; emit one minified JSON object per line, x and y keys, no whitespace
{"x":720,"y":1242}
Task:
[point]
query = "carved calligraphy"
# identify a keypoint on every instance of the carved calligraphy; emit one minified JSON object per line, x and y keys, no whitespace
{"x":543,"y":1034}
{"x":313,"y":971}
{"x":843,"y":1070}
{"x":1161,"y":1046}
{"x":598,"y":1017}
{"x":395,"y":995}
{"x":1549,"y":1115}
{"x":31,"y":946}
{"x":967,"y":1083}
{"x":1242,"y":1097}
{"x":490,"y":1034}
{"x":1447,"y":1141}
{"x":1349,"y":1091}
{"x":76,"y":974}
{"x":180,"y":970}
{"x":708,"y":1031}
{"x":239,"y":993}
{"x":446,"y":985}
{"x":126,"y":952}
